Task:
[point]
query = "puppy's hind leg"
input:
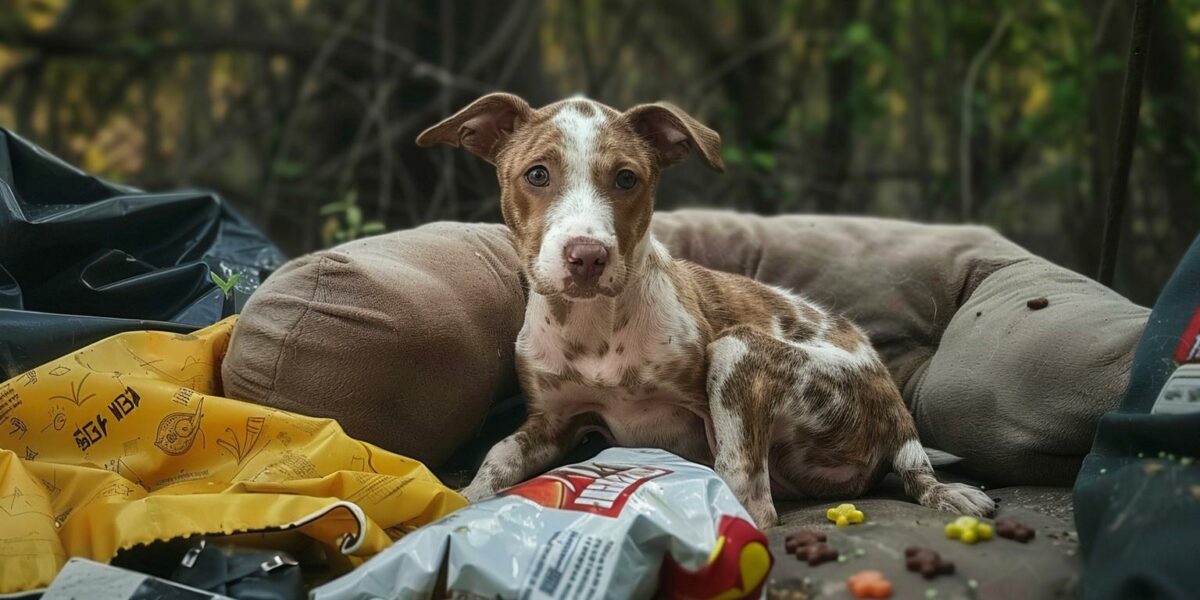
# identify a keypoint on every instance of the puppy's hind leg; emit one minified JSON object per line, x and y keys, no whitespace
{"x":912,"y":464}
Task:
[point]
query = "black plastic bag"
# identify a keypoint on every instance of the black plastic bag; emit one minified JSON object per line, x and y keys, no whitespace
{"x":242,"y":573}
{"x":82,"y":258}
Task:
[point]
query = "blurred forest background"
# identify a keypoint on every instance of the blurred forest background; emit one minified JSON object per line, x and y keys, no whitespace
{"x":303,"y":113}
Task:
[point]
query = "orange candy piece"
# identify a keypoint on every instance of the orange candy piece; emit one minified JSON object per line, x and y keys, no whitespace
{"x":869,"y":584}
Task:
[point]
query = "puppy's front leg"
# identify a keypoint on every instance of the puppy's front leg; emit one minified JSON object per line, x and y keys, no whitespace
{"x":741,"y":423}
{"x":540,"y":441}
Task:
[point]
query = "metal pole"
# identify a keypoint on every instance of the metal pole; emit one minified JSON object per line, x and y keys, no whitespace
{"x":1131,"y":102}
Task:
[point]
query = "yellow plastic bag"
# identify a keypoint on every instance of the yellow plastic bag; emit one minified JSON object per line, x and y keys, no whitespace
{"x":128,"y":441}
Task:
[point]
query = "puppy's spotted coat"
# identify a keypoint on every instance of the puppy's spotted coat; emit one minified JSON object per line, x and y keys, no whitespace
{"x":780,"y":396}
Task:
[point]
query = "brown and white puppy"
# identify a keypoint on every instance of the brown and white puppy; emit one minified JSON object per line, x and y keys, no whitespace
{"x":778,"y":395}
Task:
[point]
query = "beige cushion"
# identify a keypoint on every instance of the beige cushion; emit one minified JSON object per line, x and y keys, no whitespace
{"x":403,"y":338}
{"x":406,"y":338}
{"x":1019,"y":392}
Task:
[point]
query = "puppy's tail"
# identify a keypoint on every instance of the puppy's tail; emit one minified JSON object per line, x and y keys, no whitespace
{"x":912,"y":464}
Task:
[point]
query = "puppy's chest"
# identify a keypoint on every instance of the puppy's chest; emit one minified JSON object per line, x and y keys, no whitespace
{"x":646,"y":384}
{"x":634,"y":361}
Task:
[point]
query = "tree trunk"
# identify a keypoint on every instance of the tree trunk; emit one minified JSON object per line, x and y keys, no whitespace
{"x":836,"y":144}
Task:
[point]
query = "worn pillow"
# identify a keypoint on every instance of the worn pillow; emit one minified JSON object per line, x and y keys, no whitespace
{"x":1025,"y":370}
{"x":403,"y":338}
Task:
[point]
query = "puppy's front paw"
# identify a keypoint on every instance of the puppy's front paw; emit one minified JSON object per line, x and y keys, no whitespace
{"x":477,"y":490}
{"x":959,"y":498}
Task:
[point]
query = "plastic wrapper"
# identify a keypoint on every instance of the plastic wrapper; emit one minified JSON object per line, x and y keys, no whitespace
{"x":618,"y":526}
{"x":129,"y":441}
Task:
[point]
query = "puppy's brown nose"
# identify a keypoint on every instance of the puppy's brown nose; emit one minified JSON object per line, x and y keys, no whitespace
{"x":585,"y":262}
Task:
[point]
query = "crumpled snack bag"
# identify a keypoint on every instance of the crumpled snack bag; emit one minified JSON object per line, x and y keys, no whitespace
{"x":628,"y":523}
{"x":128,"y":441}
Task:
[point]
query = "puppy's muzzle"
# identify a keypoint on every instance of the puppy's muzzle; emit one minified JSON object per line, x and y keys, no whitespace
{"x":586,"y":261}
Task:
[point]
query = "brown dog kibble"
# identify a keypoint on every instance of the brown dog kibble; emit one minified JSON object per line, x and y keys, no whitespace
{"x":1037,"y":303}
{"x":810,"y":546}
{"x":1013,"y":530}
{"x":802,"y":538}
{"x":815,"y":554}
{"x":928,"y":563}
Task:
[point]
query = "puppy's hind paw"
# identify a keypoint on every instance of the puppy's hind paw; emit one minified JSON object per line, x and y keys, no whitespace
{"x":959,"y":498}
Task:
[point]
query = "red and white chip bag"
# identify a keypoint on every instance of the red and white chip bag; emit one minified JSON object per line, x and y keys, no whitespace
{"x":618,"y":526}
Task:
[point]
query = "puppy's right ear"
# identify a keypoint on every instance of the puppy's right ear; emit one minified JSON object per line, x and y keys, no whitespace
{"x":481,"y":126}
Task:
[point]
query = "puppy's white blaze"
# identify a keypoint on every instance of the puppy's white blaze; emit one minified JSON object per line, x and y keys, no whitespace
{"x":911,"y":457}
{"x":580,"y":211}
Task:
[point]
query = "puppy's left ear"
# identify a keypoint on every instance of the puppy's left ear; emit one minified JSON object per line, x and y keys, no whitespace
{"x":674,"y":134}
{"x":481,"y":127}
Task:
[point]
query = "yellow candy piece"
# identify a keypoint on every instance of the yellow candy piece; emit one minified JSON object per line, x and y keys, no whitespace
{"x":969,"y":530}
{"x":985,"y":531}
{"x":844,"y":514}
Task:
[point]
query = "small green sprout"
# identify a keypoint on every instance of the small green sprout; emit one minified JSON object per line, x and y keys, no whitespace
{"x":226,"y":285}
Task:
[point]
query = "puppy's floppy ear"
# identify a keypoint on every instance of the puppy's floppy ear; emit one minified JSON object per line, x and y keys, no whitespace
{"x":480,"y":126}
{"x":674,"y":133}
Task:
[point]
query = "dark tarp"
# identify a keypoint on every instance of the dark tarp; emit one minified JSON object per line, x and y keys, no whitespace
{"x":82,"y":258}
{"x":1137,"y":498}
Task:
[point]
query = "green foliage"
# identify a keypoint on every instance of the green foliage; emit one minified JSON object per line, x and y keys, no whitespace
{"x":288,"y":169}
{"x":344,"y":221}
{"x":763,"y":160}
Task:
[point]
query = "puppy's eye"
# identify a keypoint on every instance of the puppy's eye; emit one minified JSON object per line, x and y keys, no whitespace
{"x":538,"y":176}
{"x":626,"y":179}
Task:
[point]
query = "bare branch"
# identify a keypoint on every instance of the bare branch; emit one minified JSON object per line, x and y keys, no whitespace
{"x":306,"y":88}
{"x":968,"y":93}
{"x":1102,"y":23}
